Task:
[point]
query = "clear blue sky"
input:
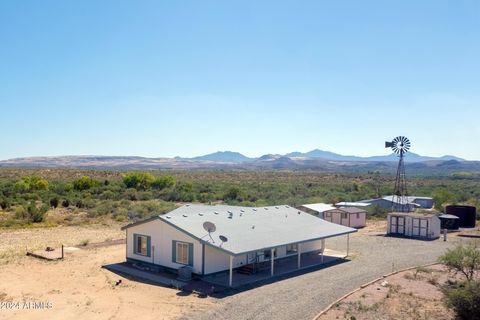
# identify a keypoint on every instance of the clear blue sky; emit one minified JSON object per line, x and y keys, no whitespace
{"x":168,"y":78}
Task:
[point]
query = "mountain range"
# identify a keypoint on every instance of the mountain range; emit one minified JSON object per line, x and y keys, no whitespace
{"x":317,"y":160}
{"x":229,"y":156}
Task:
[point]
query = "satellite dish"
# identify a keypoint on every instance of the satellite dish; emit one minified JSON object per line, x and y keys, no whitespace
{"x":223,"y":238}
{"x":209,"y":226}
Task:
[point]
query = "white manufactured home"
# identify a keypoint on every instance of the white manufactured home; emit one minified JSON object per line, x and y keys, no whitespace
{"x":213,"y":239}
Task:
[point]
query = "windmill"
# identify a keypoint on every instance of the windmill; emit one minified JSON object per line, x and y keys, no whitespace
{"x":400,"y":145}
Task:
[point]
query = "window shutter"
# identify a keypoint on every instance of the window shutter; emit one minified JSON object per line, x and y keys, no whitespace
{"x":135,"y":243}
{"x":149,"y":247}
{"x":174,"y":251}
{"x":190,"y":254}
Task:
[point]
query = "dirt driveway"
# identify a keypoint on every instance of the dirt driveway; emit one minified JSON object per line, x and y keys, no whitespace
{"x":78,"y":288}
{"x":302,"y":297}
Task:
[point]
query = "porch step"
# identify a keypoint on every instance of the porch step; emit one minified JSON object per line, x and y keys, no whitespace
{"x":246,"y":269}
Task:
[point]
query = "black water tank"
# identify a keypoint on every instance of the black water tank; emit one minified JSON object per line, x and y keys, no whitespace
{"x":467,"y":215}
{"x":449,"y":222}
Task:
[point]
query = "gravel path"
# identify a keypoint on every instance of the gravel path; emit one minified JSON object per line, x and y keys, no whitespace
{"x":303,"y":296}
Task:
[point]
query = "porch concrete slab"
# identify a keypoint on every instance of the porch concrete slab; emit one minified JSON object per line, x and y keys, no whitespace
{"x":162,"y":279}
{"x":282,"y":267}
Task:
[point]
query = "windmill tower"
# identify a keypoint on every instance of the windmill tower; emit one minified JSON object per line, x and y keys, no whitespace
{"x":400,"y":145}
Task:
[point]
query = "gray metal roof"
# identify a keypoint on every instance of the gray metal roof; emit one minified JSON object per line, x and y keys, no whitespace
{"x":251,"y":229}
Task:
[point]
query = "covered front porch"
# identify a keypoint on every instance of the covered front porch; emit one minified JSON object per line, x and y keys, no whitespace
{"x":276,"y":267}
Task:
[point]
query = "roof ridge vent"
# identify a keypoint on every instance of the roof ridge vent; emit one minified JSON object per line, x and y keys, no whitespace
{"x":254,"y":209}
{"x":168,"y":217}
{"x":277,"y":207}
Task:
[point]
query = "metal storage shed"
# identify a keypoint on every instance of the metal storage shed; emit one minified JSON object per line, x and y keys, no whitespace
{"x":413,"y":225}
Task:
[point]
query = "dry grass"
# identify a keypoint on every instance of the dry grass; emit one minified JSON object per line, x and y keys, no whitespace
{"x":413,"y":294}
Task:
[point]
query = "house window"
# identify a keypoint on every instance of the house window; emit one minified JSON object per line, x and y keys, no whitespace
{"x":328,"y":214}
{"x":292,"y":248}
{"x":141,"y":244}
{"x":344,"y":215}
{"x":182,"y":253}
{"x":358,"y":215}
{"x":266,"y":254}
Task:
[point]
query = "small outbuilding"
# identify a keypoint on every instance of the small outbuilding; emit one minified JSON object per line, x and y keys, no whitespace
{"x":350,"y":217}
{"x":413,"y":225}
{"x":317,"y":209}
{"x":449,"y":222}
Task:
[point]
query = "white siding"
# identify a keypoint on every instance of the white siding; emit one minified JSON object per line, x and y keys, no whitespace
{"x":162,"y":235}
{"x":216,"y":260}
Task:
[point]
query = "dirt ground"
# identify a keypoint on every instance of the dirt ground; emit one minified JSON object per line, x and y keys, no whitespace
{"x":413,"y":294}
{"x":78,"y":288}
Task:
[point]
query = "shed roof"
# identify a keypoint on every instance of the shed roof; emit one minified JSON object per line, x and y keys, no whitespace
{"x":352,"y":204}
{"x":250,"y":229}
{"x":412,"y":214}
{"x":319,"y":207}
{"x":351,"y":210}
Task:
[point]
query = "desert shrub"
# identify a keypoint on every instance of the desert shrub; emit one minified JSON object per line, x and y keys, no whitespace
{"x":84,"y":183}
{"x":36,"y":214}
{"x":120,"y":214}
{"x":5,"y":203}
{"x":464,"y":299}
{"x":163,"y":182}
{"x":131,"y":194}
{"x":66,"y":203}
{"x":145,"y":195}
{"x":104,"y":208}
{"x":234,"y":193}
{"x":463,"y":259}
{"x":31,"y":183}
{"x":20,"y":212}
{"x":54,"y":202}
{"x":146,"y":209}
{"x":138,"y":180}
{"x":108,"y":195}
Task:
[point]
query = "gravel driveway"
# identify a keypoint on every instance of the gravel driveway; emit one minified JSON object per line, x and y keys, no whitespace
{"x":303,"y":296}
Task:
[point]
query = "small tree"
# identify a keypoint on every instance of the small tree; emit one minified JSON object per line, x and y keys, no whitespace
{"x":463,"y":259}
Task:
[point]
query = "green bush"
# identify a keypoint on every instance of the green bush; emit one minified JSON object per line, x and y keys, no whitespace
{"x":31,"y":183}
{"x":464,"y":299}
{"x":163,"y":182}
{"x":84,"y":183}
{"x":36,"y":214}
{"x":138,"y":180}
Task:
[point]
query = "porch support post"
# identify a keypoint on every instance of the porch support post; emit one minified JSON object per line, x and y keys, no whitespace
{"x":272,"y":258}
{"x":230,"y":276}
{"x":348,"y":244}
{"x":323,"y":250}
{"x":299,"y":254}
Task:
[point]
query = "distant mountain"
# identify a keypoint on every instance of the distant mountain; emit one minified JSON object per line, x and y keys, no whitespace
{"x":409,"y":157}
{"x":223,"y":156}
{"x":317,"y":160}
